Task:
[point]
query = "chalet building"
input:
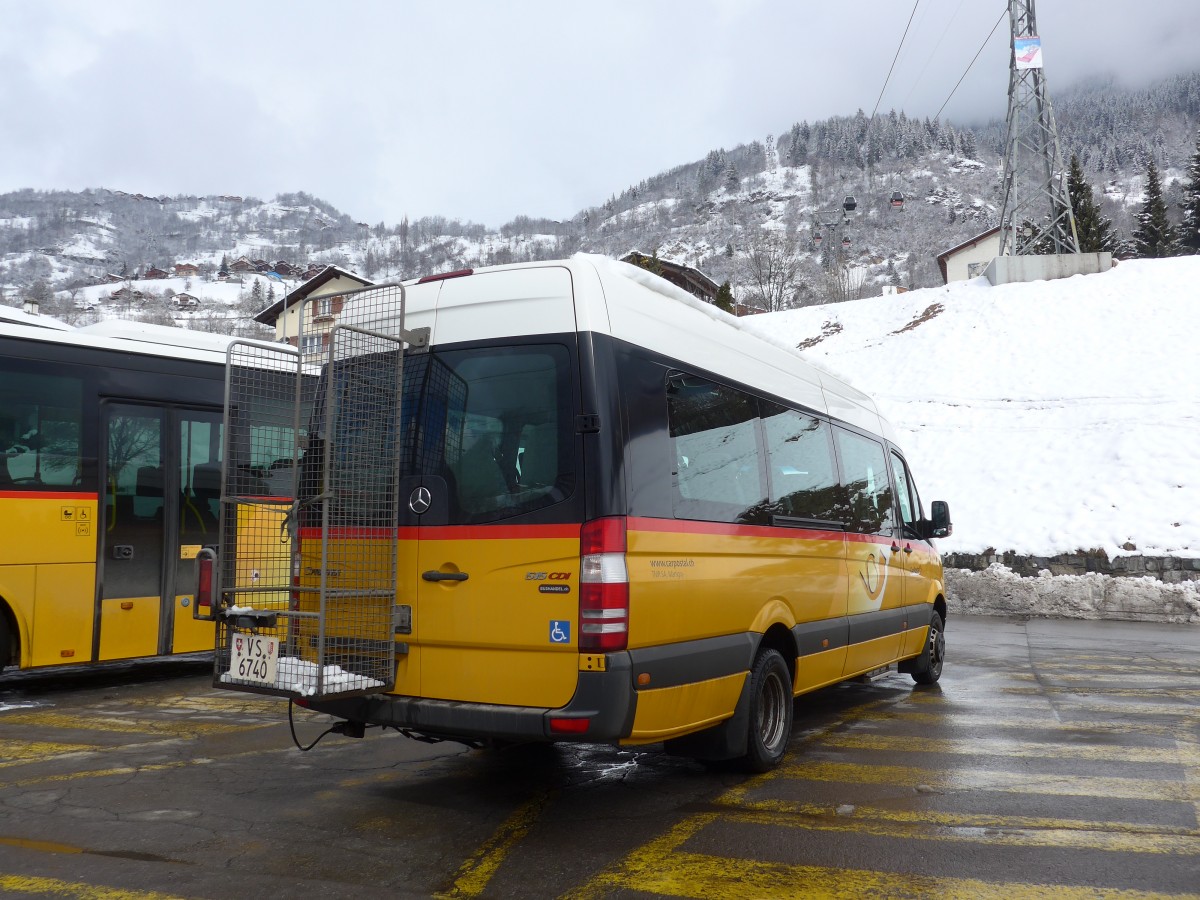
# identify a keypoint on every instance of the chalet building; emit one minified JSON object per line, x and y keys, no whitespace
{"x":284,"y":268}
{"x":186,"y":270}
{"x":971,"y":257}
{"x":241,"y":266}
{"x":312,"y":271}
{"x":261,"y":266}
{"x":154,"y":274}
{"x":691,"y":280}
{"x":127,"y":295}
{"x":323,"y":291}
{"x":185,"y":301}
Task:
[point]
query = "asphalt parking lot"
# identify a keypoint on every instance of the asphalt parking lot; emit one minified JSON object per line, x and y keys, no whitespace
{"x":1055,"y":759}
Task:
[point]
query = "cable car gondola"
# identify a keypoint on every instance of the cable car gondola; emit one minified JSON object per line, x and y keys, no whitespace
{"x":849,"y":204}
{"x":845,"y":243}
{"x":816,"y":239}
{"x":897,"y":200}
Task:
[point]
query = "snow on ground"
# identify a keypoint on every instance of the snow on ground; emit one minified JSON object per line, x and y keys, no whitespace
{"x":1054,"y":416}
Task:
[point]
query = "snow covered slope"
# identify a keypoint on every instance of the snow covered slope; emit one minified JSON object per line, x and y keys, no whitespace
{"x":1054,"y":416}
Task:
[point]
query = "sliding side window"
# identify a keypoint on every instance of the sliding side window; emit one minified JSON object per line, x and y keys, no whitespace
{"x":804,"y":481}
{"x":718,"y":471}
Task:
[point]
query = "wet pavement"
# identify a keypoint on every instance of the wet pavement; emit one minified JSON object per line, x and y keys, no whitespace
{"x":1055,"y":759}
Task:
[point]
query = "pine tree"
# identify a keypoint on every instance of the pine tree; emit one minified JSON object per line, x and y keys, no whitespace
{"x":1153,"y":238}
{"x":1189,"y":231}
{"x":724,"y":298}
{"x":1093,"y":230}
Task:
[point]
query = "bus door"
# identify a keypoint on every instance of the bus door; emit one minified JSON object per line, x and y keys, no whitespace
{"x":495,"y":599}
{"x":160,"y":480}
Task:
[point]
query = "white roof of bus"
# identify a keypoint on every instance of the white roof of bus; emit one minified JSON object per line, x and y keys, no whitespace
{"x":155,"y":340}
{"x":643,"y":309}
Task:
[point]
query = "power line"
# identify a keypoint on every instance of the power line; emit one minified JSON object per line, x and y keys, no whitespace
{"x":896,"y":57}
{"x":972,"y":62}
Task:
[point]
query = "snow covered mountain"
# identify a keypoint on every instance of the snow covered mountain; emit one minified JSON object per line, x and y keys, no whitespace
{"x":709,"y":213}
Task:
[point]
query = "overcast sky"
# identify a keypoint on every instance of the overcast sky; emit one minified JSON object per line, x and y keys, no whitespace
{"x":482,"y":110}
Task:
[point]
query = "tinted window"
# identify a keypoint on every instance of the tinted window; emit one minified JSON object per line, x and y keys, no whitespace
{"x":717,"y":469}
{"x":869,"y":499}
{"x":506,"y":428}
{"x":804,"y":481}
{"x":906,"y":494}
{"x":40,"y":430}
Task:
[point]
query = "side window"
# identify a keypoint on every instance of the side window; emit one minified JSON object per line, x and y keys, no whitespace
{"x":906,"y":491}
{"x":869,"y":507}
{"x":804,"y":481}
{"x":40,"y":430}
{"x":713,"y":429}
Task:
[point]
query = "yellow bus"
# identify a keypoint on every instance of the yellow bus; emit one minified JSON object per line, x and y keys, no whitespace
{"x":567,"y":501}
{"x":110,"y":453}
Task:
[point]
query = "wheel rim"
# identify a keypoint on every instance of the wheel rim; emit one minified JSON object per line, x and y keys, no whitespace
{"x":937,"y":648}
{"x":772,"y":714}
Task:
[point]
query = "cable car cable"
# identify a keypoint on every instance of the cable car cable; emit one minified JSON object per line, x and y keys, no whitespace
{"x":972,"y":62}
{"x":894,"y":58}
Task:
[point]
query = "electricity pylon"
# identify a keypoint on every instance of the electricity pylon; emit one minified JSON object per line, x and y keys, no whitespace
{"x":1037,"y":216}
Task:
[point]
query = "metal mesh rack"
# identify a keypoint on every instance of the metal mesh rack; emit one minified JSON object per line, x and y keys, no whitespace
{"x":307,"y":578}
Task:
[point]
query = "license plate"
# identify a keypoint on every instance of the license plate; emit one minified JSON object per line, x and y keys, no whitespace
{"x":254,"y":658}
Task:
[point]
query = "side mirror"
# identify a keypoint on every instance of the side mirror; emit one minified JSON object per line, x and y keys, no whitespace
{"x":940,"y":523}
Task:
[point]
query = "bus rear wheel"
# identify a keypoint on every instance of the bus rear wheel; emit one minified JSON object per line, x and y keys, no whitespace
{"x":927,"y":668}
{"x":770,"y":725}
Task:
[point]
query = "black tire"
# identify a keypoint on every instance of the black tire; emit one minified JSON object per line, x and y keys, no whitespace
{"x":927,"y":668}
{"x":770,"y":726}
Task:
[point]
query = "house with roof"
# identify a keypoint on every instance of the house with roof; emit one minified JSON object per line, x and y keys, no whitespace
{"x":318,"y":300}
{"x":690,"y":279}
{"x":970,"y":258}
{"x":155,"y":274}
{"x":186,"y":270}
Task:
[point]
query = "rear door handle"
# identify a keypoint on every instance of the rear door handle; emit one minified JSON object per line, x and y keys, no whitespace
{"x":434,"y":575}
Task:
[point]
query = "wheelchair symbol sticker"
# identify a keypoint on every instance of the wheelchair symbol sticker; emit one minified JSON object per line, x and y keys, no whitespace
{"x":560,"y":631}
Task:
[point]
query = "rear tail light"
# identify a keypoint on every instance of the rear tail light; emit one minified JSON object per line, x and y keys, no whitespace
{"x":603,"y":586}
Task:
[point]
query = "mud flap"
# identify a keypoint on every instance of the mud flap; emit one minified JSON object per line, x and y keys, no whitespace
{"x":729,"y":740}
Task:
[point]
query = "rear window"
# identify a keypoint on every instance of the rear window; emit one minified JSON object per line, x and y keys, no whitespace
{"x":506,"y":436}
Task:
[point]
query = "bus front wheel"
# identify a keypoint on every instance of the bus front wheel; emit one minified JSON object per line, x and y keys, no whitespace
{"x":927,"y":668}
{"x":770,"y":724}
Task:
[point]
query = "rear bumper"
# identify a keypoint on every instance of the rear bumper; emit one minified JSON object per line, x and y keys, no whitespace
{"x":606,"y":699}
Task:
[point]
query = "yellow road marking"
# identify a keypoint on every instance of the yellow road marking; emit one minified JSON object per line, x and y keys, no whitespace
{"x":990,"y":780}
{"x":182,"y":728}
{"x":718,"y":878}
{"x":15,"y":753}
{"x":26,"y":884}
{"x":1023,"y":831}
{"x":473,"y":876}
{"x":1030,"y":720}
{"x":1004,"y":747}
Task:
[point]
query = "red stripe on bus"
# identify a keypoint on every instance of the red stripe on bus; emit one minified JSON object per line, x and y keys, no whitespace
{"x":726,"y":529}
{"x":449,"y":533}
{"x":571,"y":530}
{"x":45,"y":495}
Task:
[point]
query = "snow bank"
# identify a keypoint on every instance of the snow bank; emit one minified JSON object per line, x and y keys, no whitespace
{"x":999,"y":591}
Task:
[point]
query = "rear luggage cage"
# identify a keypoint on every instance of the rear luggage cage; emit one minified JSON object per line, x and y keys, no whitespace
{"x":306,"y":607}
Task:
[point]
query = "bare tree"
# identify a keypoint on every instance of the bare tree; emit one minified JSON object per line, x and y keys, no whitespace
{"x":770,"y":271}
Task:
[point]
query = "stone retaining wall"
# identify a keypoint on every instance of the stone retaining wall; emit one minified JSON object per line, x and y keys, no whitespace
{"x":1168,"y":569}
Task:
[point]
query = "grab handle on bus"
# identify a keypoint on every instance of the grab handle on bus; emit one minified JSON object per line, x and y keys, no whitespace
{"x":434,"y":575}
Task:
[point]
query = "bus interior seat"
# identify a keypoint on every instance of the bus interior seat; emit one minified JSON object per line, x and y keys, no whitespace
{"x":480,"y":479}
{"x":206,"y":488}
{"x":539,"y":460}
{"x":149,"y":488}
